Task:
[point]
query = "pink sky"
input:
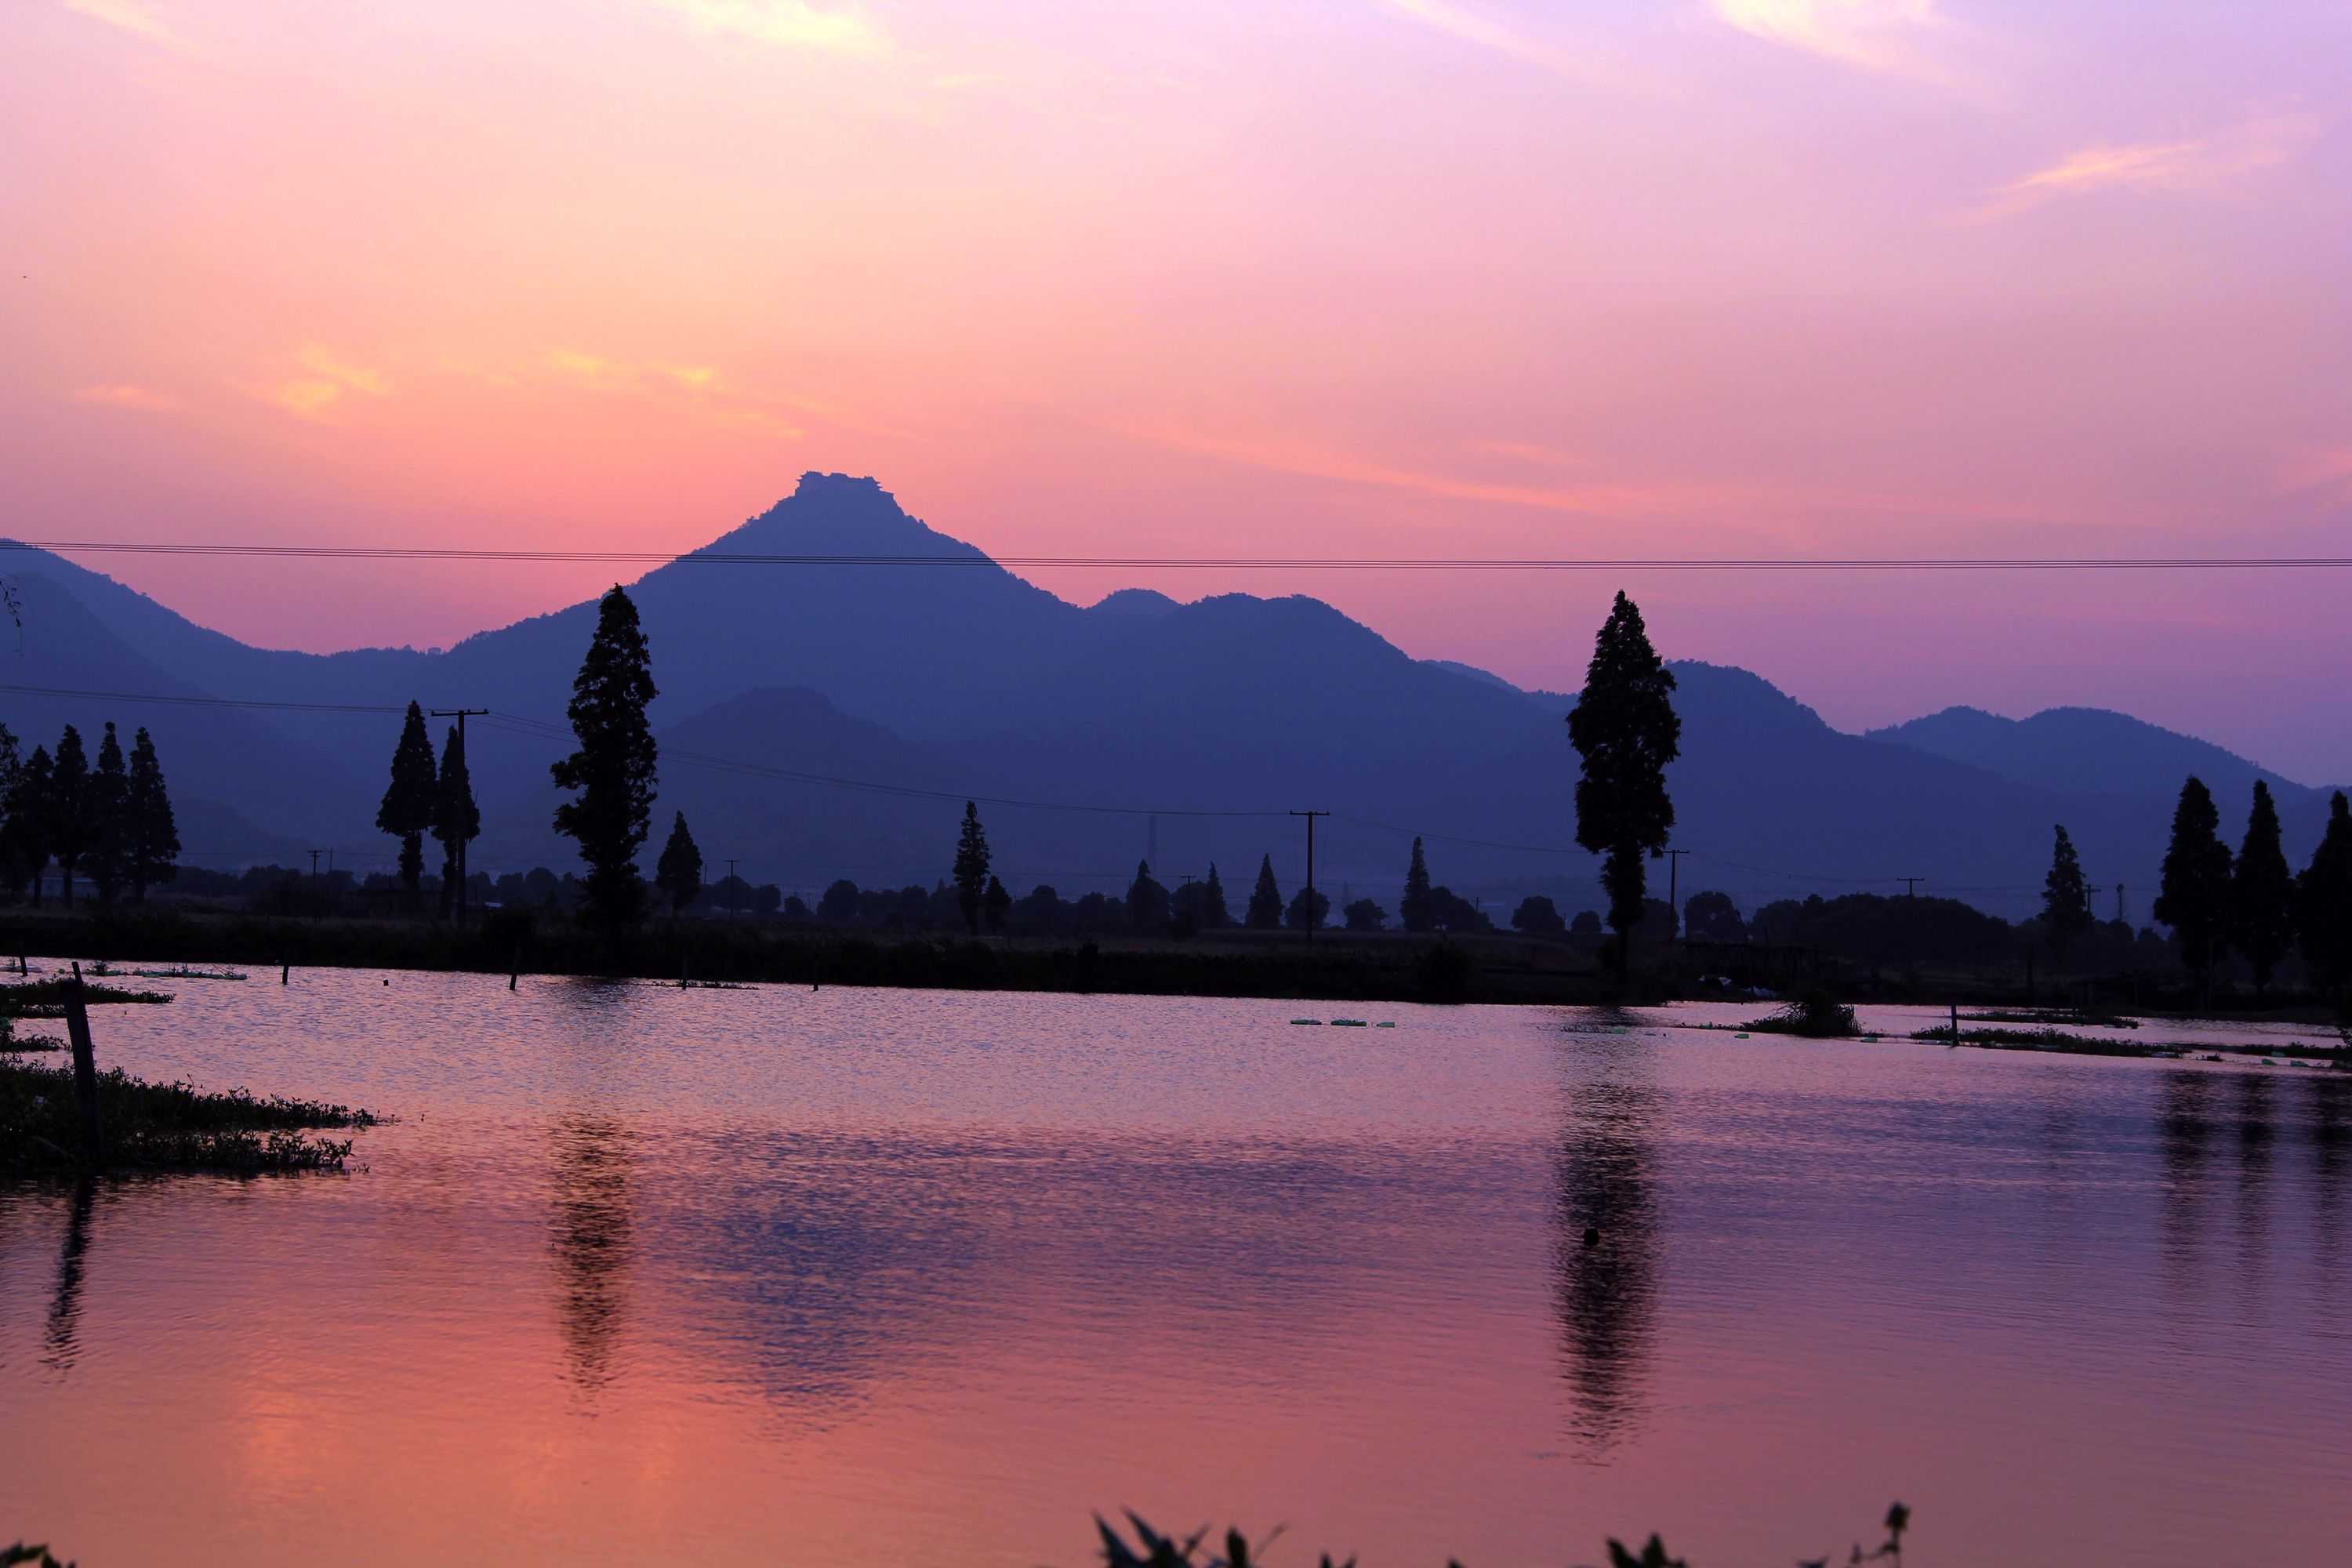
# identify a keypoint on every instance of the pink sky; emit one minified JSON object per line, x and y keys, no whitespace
{"x":1349,"y":277}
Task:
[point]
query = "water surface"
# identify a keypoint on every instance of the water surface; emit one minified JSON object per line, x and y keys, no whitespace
{"x":849,"y":1277}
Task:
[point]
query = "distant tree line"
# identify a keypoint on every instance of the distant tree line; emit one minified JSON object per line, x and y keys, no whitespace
{"x":2251,"y":903}
{"x":109,"y":822}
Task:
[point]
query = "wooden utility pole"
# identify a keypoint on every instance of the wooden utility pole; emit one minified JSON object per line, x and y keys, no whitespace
{"x":461,"y":715}
{"x":85,"y":1071}
{"x":1310,"y":816}
{"x":1674,"y":897}
{"x":734,"y":887}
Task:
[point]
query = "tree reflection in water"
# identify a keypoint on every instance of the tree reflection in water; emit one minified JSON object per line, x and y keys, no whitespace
{"x":589,"y":1232}
{"x":60,"y":1338}
{"x":1607,"y":1244}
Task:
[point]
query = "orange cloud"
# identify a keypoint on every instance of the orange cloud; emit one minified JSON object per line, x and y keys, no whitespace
{"x":841,"y":30}
{"x":2190,"y":165}
{"x":1876,"y":35}
{"x":319,"y":395}
{"x":134,"y":17}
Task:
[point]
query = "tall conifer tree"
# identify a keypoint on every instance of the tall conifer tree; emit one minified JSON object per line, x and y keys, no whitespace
{"x":1265,"y":911}
{"x":613,"y":771}
{"x":1147,"y":907}
{"x":2261,"y":892}
{"x":2066,"y":896}
{"x":32,"y":814}
{"x":2322,"y":906}
{"x":456,"y":820}
{"x":1415,"y":910}
{"x":678,"y":872}
{"x":995,"y":903}
{"x":154,"y":834}
{"x":108,"y":855}
{"x":970,"y":868}
{"x":1213,"y":912}
{"x":69,"y":816}
{"x":1624,"y":728}
{"x":13,"y":872}
{"x":409,"y":799}
{"x":2193,"y":896}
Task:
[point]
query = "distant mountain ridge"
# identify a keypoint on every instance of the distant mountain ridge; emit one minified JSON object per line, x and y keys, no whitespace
{"x":1097,"y":734}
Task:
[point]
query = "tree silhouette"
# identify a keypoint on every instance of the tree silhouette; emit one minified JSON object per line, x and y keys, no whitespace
{"x":994,"y":905}
{"x":678,"y":872}
{"x":70,"y":823}
{"x":410,"y":798}
{"x":2194,"y":896}
{"x":1625,"y":728}
{"x":2323,"y":905}
{"x":1711,"y":916}
{"x":13,"y":872}
{"x":1538,"y":916}
{"x":2066,"y":897}
{"x":1302,"y":914}
{"x":1413,"y":909}
{"x":109,"y":856}
{"x":1265,"y":911}
{"x":971,"y":859}
{"x":1213,"y":912}
{"x":154,"y":834}
{"x":613,"y":771}
{"x":1146,"y":902}
{"x":33,"y":815}
{"x":1364,"y":915}
{"x":457,"y":819}
{"x":2261,"y":892}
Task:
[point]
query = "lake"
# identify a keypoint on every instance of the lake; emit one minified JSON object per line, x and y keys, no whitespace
{"x":645,"y":1275}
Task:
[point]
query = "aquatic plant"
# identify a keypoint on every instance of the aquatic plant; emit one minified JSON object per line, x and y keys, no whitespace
{"x":1151,"y":1549}
{"x":167,"y":1126}
{"x":38,"y":1556}
{"x":1817,"y":1015}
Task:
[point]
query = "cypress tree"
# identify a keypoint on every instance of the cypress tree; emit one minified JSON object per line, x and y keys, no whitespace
{"x":411,"y":799}
{"x":1625,"y":728}
{"x":13,"y":870}
{"x":970,"y":868}
{"x":678,"y":872}
{"x":1265,"y":911}
{"x":994,"y":905}
{"x":33,"y":815}
{"x":613,"y":771}
{"x":154,"y":834}
{"x":108,"y":855}
{"x":70,"y":814}
{"x":456,"y":820}
{"x":2193,"y":896}
{"x":1414,"y":909}
{"x":2066,"y":897}
{"x":2322,"y":906}
{"x":1146,"y":902}
{"x":2261,"y":892}
{"x":1213,"y":912}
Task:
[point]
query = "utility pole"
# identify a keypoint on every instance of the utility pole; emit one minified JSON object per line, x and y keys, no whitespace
{"x":1673,"y":896}
{"x":1911,"y":887}
{"x":315,"y":905}
{"x":461,"y":714}
{"x":1310,"y":816}
{"x":732,"y":887}
{"x":2119,"y":903}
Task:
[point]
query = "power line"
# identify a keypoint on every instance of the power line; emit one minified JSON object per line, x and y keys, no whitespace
{"x":1209,"y":563}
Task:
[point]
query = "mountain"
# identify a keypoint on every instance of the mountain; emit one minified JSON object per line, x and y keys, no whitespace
{"x":822,"y":719}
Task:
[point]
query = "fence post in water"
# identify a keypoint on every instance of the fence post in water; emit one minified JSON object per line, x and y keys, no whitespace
{"x":1956,"y":1024}
{"x":85,"y":1071}
{"x":283,"y":971}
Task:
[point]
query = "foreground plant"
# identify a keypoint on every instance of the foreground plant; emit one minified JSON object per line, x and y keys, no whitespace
{"x":1151,"y":1549}
{"x":166,"y":1126}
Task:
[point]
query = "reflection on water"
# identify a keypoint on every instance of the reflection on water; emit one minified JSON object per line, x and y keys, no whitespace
{"x":588,"y":1234}
{"x":60,"y":1336}
{"x":645,"y":1275}
{"x":1606,"y":1254}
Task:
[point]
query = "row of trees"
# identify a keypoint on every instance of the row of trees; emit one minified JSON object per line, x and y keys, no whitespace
{"x":426,"y":797}
{"x":108,"y":820}
{"x":2251,"y":903}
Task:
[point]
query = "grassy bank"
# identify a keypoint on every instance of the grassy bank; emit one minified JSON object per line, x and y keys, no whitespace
{"x":1337,"y":968}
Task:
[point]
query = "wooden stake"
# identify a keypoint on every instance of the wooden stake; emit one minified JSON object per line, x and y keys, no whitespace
{"x":85,"y":1071}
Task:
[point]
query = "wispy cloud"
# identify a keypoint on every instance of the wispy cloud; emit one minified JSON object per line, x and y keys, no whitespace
{"x":117,"y":396}
{"x":2326,"y":471}
{"x":319,"y":395}
{"x":845,"y":28}
{"x":1469,"y":26}
{"x":699,"y":390}
{"x":1876,"y":35}
{"x":2198,"y":163}
{"x":132,"y":16}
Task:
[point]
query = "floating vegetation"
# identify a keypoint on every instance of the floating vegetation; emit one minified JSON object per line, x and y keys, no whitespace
{"x":1349,"y":1024}
{"x":47,"y":998}
{"x":167,"y":1126}
{"x":182,"y":972}
{"x":1816,"y":1014}
{"x":2075,"y":1018}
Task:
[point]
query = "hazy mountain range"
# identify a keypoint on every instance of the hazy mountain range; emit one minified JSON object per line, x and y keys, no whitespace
{"x":890,"y":693}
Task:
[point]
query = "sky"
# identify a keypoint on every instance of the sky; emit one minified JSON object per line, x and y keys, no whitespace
{"x":1325,"y":277}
